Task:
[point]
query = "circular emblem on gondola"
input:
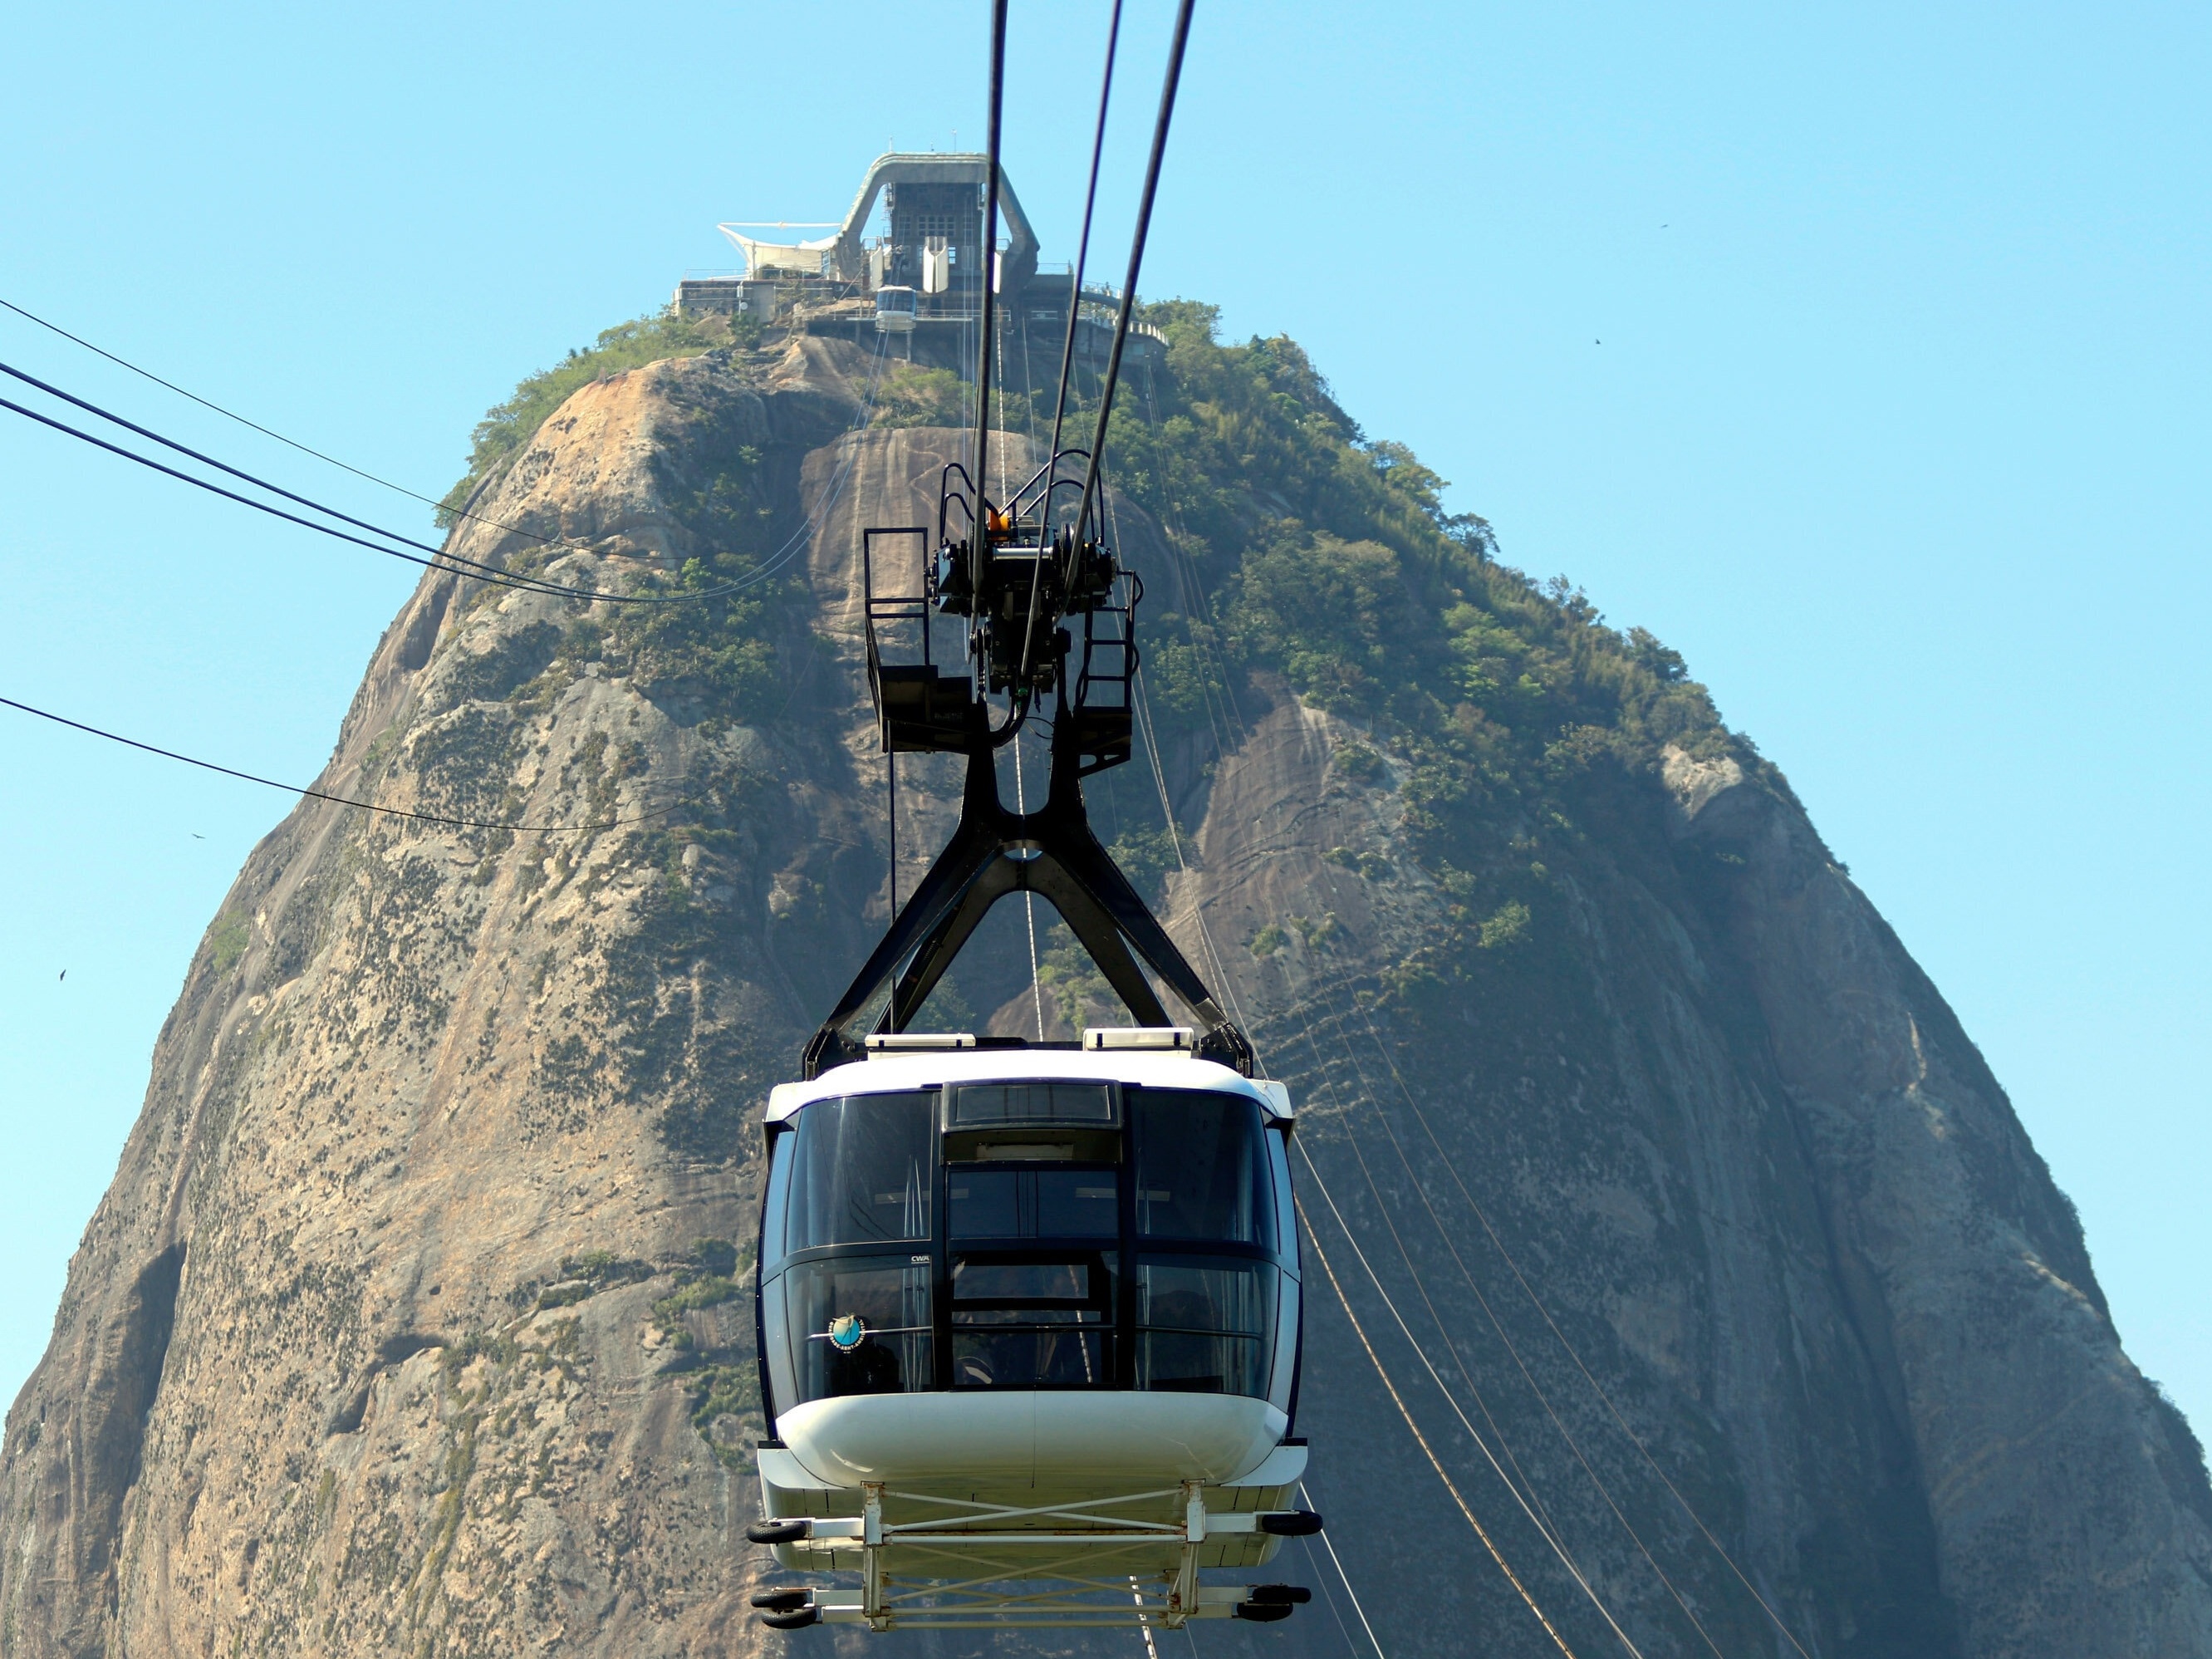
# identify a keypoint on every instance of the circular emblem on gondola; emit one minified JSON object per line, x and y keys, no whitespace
{"x":846,"y":1333}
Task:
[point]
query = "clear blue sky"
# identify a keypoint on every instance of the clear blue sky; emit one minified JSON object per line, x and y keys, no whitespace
{"x":1862,"y":354}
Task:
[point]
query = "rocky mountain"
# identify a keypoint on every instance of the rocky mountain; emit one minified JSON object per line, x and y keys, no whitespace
{"x":1660,"y":1182}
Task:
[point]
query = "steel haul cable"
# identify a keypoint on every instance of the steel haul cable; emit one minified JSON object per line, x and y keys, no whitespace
{"x":1167,"y":87}
{"x":1074,"y":309}
{"x":1083,"y":242}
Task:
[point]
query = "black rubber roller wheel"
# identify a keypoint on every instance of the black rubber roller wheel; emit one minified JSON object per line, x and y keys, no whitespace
{"x":779,"y":1600}
{"x":775,"y":1532}
{"x":1272,"y":1596}
{"x":1291,"y":1523}
{"x":804,"y":1616}
{"x":1263,"y":1613}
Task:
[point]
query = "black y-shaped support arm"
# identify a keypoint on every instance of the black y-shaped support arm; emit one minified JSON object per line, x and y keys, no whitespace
{"x":1051,"y":852}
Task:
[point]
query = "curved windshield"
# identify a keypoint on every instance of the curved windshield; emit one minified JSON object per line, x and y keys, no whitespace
{"x":1202,"y":1169}
{"x":862,"y":1172}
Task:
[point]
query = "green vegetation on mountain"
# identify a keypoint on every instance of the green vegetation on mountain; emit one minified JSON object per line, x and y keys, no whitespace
{"x":643,"y":340}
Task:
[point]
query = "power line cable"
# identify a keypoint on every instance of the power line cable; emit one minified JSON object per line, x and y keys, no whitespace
{"x":336,"y":801}
{"x":440,"y":559}
{"x":290,"y":443}
{"x":482,"y":573}
{"x":437,"y":554}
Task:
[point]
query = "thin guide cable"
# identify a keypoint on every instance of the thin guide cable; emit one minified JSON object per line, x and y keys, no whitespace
{"x":1422,"y":1440}
{"x":324,"y":795}
{"x":1544,"y":1313}
{"x":1474,"y":1434}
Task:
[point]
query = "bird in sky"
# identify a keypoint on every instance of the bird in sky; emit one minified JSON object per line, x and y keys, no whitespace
{"x":63,"y":975}
{"x":198,"y":836}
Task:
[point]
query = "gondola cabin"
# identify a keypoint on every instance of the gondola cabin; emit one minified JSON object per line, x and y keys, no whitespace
{"x":1029,"y":1313}
{"x":896,"y":309}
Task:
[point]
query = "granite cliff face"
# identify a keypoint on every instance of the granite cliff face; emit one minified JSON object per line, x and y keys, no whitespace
{"x":414,"y":1319}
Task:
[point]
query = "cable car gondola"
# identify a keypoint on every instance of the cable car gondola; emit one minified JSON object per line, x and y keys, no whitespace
{"x":1029,"y":1318}
{"x":1029,"y":1315}
{"x":895,"y":307}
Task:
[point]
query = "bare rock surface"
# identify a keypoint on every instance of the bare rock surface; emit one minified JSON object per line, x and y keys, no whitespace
{"x":415,"y":1319}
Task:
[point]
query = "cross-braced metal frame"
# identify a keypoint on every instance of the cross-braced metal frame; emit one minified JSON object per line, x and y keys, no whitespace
{"x":993,"y":1571}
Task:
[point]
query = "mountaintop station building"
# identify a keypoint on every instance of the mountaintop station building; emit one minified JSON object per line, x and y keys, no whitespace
{"x":934,"y":210}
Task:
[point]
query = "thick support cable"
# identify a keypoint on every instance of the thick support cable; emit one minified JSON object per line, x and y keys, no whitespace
{"x":1136,"y":258}
{"x":1074,"y":311}
{"x":1083,"y":242}
{"x":980,"y":532}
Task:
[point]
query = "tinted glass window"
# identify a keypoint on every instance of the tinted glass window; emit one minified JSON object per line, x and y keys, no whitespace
{"x":859,"y":1325}
{"x":1026,"y":1323}
{"x":980,"y":1105}
{"x":1206,"y":1327}
{"x":1033,"y":1203}
{"x":861,"y":1171}
{"x":1202,"y":1168}
{"x":1286,"y":1214}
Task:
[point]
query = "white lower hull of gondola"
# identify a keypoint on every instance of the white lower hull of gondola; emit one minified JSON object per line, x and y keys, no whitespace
{"x":1029,"y":1509}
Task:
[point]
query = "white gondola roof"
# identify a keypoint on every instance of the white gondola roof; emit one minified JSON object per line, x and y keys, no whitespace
{"x":887,"y":1073}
